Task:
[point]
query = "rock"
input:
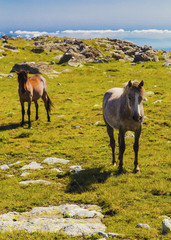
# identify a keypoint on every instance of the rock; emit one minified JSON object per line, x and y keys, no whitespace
{"x":32,"y":165}
{"x":34,"y":182}
{"x":4,"y":167}
{"x":53,"y":160}
{"x":103,"y":234}
{"x":57,"y":170}
{"x":149,"y":93}
{"x":33,"y":68}
{"x":39,"y":49}
{"x":70,"y":99}
{"x":24,"y":174}
{"x":10,"y":47}
{"x":142,"y":225}
{"x":65,"y":58}
{"x":97,"y":123}
{"x":66,"y":70}
{"x":54,"y":219}
{"x":16,"y":163}
{"x":166,"y":226}
{"x":157,"y":101}
{"x":75,"y":169}
{"x":117,"y":56}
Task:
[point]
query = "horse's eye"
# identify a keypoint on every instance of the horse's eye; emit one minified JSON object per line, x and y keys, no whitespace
{"x":140,"y":98}
{"x":130,"y":97}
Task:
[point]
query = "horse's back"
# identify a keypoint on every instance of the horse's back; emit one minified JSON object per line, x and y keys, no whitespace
{"x":111,"y":106}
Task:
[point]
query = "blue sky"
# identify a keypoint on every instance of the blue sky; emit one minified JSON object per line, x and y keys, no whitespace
{"x":55,"y":15}
{"x":51,"y":15}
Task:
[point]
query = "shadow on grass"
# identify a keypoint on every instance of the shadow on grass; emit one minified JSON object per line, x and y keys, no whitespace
{"x":82,"y":181}
{"x":9,"y":126}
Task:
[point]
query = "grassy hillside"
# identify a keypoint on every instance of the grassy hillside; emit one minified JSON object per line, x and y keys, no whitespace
{"x":74,"y":134}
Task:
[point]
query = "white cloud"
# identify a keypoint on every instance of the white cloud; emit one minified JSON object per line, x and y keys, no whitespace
{"x":30,"y":34}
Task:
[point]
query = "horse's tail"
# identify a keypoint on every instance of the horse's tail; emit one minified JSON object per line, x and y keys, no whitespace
{"x":49,"y":104}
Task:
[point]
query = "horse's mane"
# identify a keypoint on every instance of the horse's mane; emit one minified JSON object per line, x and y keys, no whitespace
{"x":135,"y":86}
{"x":22,"y":76}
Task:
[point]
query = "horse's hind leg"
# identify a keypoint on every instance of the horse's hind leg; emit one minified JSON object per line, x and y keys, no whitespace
{"x":121,"y":141}
{"x":136,"y":148}
{"x":36,"y":106}
{"x":112,"y":142}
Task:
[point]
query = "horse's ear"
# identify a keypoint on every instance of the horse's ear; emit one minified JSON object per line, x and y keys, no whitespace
{"x":141,"y":84}
{"x":130,"y":84}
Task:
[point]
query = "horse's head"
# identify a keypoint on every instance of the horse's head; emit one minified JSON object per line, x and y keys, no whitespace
{"x":22,"y":79}
{"x":135,"y":92}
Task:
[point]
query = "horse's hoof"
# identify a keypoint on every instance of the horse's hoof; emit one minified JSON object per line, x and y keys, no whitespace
{"x":121,"y":171}
{"x":114,"y":164}
{"x":29,"y":127}
{"x":136,"y":170}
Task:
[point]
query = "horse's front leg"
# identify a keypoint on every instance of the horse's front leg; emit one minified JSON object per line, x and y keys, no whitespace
{"x":121,"y":141}
{"x":23,"y":112}
{"x":136,"y":148}
{"x":112,"y":142}
{"x":29,"y":113}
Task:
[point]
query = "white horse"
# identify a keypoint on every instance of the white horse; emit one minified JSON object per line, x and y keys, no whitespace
{"x":123,"y":110}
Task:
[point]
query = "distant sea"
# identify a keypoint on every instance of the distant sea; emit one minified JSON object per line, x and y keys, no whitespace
{"x":158,"y":39}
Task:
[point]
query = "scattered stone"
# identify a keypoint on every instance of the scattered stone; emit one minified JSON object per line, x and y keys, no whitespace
{"x":77,"y":126}
{"x":11,"y":47}
{"x":4,"y":167}
{"x":113,"y":234}
{"x":39,"y":49}
{"x":53,"y":160}
{"x":103,"y":234}
{"x":97,"y":105}
{"x":34,"y":181}
{"x":70,"y":99}
{"x":142,"y":225}
{"x":75,"y":169}
{"x":157,"y":101}
{"x":97,"y":123}
{"x":57,"y":170}
{"x":149,"y":93}
{"x":129,"y":134}
{"x":145,"y":99}
{"x":166,"y":226}
{"x":32,"y":165}
{"x":24,"y":174}
{"x":66,"y":70}
{"x":16,"y":163}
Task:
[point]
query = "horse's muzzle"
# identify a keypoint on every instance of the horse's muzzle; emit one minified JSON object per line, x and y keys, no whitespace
{"x":137,"y":118}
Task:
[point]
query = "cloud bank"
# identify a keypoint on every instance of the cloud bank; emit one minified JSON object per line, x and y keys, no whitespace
{"x":149,"y":33}
{"x":157,"y":38}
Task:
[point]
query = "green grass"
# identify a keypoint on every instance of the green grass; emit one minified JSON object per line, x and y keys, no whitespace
{"x":126,"y":199}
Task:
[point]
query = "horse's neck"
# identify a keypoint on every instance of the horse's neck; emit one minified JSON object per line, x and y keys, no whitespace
{"x":124,"y":107}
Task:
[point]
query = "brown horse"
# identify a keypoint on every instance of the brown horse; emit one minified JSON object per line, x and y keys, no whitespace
{"x":31,"y":89}
{"x":123,"y":110}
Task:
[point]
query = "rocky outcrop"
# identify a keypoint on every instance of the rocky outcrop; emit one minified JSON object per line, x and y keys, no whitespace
{"x":71,"y":219}
{"x":76,"y":51}
{"x":33,"y":68}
